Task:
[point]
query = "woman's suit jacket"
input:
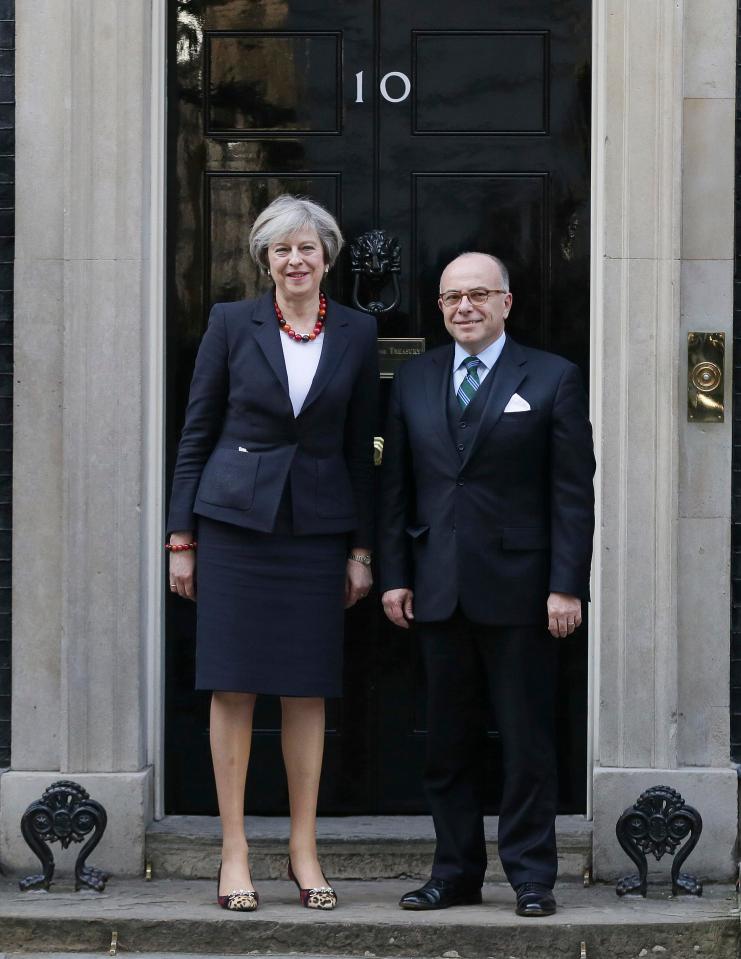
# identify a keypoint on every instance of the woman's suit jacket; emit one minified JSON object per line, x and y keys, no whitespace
{"x":241,"y":442}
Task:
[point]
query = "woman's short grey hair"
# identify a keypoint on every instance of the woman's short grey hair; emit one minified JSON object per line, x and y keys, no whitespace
{"x":286,"y":215}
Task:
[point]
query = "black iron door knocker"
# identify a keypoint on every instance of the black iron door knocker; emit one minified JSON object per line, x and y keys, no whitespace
{"x":375,"y":258}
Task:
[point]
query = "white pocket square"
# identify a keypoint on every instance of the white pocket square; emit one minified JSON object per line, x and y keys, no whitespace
{"x":516,"y":404}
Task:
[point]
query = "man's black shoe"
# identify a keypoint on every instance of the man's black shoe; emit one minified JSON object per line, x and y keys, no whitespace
{"x":534,"y":899}
{"x":439,"y":894}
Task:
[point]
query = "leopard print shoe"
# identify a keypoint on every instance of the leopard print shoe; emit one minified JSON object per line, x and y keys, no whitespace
{"x":238,"y":900}
{"x":320,"y":897}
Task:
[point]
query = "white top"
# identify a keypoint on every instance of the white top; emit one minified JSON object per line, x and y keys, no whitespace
{"x":487,"y":358}
{"x":302,"y":360}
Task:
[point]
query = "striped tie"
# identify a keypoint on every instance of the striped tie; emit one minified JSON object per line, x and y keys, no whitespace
{"x":470,"y":384}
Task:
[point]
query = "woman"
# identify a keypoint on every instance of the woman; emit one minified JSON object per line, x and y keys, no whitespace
{"x":273,"y":484}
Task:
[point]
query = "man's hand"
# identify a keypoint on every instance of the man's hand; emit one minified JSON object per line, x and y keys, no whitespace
{"x":398,"y":605}
{"x":564,"y":614}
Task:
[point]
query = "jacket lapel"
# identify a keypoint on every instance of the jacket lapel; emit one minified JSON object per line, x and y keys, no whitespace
{"x":336,"y":339}
{"x":509,"y":372}
{"x":437,"y":384}
{"x":267,"y":337}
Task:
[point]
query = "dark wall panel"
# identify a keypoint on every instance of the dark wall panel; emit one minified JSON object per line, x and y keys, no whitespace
{"x":736,"y":477}
{"x":7,"y":220}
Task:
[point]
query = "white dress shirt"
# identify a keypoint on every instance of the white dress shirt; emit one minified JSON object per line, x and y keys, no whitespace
{"x":487,"y":358}
{"x":302,"y":360}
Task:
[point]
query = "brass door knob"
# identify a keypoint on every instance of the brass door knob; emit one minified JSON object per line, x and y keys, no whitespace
{"x":706,"y":376}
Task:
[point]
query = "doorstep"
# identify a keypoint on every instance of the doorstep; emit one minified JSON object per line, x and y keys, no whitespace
{"x":350,"y":847}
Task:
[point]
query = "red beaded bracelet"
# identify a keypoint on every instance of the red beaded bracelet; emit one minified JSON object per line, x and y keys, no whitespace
{"x":180,"y":547}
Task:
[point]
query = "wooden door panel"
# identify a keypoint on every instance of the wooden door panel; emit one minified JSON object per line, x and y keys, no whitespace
{"x":256,"y":109}
{"x":503,"y":212}
{"x":235,"y":199}
{"x":488,"y":152}
{"x":273,"y":83}
{"x":499,"y":84}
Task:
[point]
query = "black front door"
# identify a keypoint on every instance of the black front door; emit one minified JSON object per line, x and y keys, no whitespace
{"x":450,"y":126}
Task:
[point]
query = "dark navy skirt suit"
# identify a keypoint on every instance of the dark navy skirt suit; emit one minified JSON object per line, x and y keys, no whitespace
{"x":276,"y":499}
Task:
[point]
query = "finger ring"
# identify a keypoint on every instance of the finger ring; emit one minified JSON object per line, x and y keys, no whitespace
{"x":570,"y":624}
{"x":173,"y":586}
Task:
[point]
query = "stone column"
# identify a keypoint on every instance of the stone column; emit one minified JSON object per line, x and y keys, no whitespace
{"x":82,"y":286}
{"x":662,"y":593}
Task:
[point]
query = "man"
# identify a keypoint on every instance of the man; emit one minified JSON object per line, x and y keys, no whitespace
{"x":486,"y":538}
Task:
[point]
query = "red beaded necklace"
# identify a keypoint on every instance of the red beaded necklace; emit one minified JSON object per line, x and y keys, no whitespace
{"x":303,"y":337}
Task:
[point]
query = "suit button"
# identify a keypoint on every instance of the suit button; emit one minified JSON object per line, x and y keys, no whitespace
{"x":462,"y":425}
{"x":459,"y":483}
{"x":460,"y":447}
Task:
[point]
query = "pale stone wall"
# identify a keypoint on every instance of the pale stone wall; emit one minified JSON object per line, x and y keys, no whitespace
{"x":82,"y":275}
{"x":705,"y":451}
{"x":664,"y":137}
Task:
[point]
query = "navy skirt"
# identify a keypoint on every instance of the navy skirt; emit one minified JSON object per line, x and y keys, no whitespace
{"x":270,"y":610}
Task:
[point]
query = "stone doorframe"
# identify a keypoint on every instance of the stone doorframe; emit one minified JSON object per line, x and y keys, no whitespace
{"x":662,"y":265}
{"x":88,"y":447}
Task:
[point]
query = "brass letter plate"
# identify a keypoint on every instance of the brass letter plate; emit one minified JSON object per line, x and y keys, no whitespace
{"x":705,"y":377}
{"x":393,"y":351}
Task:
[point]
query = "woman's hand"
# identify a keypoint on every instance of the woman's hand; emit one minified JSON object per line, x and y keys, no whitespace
{"x":183,"y":567}
{"x":358,"y":581}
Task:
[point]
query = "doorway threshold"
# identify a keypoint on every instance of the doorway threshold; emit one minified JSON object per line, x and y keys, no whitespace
{"x":351,"y":847}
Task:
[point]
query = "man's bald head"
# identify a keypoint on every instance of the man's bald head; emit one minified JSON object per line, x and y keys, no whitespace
{"x":503,"y":279}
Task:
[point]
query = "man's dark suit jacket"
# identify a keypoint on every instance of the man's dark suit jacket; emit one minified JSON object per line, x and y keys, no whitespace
{"x":239,"y":398}
{"x":502,"y":525}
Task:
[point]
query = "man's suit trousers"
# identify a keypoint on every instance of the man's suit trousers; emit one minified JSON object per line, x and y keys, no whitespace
{"x":512,"y":669}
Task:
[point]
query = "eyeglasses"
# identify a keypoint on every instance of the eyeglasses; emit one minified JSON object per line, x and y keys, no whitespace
{"x":477,"y":297}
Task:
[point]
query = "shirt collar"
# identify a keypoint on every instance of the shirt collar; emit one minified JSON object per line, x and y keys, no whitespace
{"x":488,"y":357}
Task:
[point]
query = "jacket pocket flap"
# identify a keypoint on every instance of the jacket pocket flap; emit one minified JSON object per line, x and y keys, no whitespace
{"x":416,"y":531}
{"x":525,"y":537}
{"x":229,"y":477}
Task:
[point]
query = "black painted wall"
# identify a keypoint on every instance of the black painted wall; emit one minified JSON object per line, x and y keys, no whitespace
{"x":736,"y":479}
{"x":7,"y":230}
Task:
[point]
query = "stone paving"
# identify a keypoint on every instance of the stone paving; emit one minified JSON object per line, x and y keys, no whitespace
{"x":177,"y":916}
